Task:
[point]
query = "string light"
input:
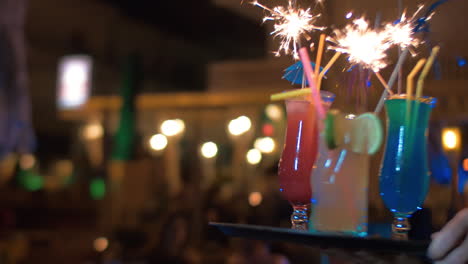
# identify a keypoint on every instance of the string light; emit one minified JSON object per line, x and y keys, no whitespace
{"x":265,"y":144}
{"x":172,"y":127}
{"x":158,"y":142}
{"x":254,"y":156}
{"x":209,"y":150}
{"x":239,"y":125}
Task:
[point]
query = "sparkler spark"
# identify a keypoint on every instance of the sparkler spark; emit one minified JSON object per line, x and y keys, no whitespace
{"x":363,"y":45}
{"x":290,"y":24}
{"x":402,"y":32}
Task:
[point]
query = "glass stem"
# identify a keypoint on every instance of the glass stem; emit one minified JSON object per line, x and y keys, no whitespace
{"x":400,"y":228}
{"x":300,"y":217}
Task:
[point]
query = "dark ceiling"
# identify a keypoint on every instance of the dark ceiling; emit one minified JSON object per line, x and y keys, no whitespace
{"x":200,"y":22}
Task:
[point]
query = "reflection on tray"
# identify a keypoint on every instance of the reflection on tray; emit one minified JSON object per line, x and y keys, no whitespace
{"x":324,"y":239}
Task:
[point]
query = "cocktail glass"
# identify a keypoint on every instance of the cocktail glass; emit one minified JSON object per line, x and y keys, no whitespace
{"x":404,"y":175}
{"x":299,"y":154}
{"x":339,"y":187}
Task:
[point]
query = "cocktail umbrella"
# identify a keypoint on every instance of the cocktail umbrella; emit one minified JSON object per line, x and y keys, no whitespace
{"x":295,"y":73}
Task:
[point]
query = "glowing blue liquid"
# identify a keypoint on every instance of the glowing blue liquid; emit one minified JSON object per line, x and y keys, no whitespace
{"x":404,"y":176}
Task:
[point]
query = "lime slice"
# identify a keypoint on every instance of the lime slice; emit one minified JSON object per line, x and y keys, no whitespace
{"x":335,"y":129}
{"x":366,"y":134}
{"x":341,"y":126}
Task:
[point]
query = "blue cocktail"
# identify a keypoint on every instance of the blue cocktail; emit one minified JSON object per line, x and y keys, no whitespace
{"x":404,"y":175}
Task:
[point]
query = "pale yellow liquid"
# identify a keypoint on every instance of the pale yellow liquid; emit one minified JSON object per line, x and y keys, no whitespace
{"x":339,"y":191}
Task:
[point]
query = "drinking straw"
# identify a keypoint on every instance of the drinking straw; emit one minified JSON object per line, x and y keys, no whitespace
{"x":415,"y":114}
{"x":409,"y":91}
{"x":305,"y":91}
{"x":426,"y":70}
{"x":318,"y":60}
{"x":382,"y":81}
{"x":309,"y":73}
{"x":409,"y":81}
{"x":326,"y":68}
{"x":393,"y":78}
{"x":290,"y":94}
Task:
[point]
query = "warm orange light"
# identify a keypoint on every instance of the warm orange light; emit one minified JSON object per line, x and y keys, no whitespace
{"x":255,"y":199}
{"x":93,"y":130}
{"x":101,"y":244}
{"x":451,"y":138}
{"x":465,"y":164}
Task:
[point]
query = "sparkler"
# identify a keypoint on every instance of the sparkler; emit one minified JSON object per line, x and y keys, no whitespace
{"x":402,"y":32}
{"x":290,"y":24}
{"x":364,"y":46}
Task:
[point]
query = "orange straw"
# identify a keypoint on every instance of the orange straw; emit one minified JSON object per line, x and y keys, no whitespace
{"x":383,"y":82}
{"x":326,"y":68}
{"x":318,"y":60}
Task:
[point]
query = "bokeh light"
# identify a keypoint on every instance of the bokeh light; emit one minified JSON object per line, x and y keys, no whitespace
{"x":74,"y":80}
{"x":209,"y":150}
{"x":27,"y":161}
{"x":274,"y":112}
{"x":30,"y":180}
{"x":64,"y":168}
{"x":97,"y":189}
{"x":268,"y":130}
{"x":158,"y":142}
{"x":93,"y":130}
{"x":450,"y":138}
{"x":101,"y":244}
{"x":239,"y":126}
{"x":173,"y":127}
{"x":265,"y":144}
{"x":255,"y":199}
{"x":254,"y":156}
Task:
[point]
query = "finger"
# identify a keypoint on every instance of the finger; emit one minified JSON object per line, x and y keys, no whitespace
{"x":434,"y":235}
{"x":449,"y":236}
{"x":458,"y":255}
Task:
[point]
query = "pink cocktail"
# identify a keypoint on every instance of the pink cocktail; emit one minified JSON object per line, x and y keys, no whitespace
{"x":299,"y":154}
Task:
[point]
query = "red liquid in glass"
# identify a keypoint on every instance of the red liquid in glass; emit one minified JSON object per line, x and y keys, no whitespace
{"x":299,"y":153}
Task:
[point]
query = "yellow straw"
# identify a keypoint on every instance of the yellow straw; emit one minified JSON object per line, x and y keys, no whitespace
{"x":290,"y":94}
{"x":426,"y":70}
{"x":409,"y":91}
{"x":318,"y":61}
{"x":409,"y":80}
{"x":382,"y":81}
{"x":327,"y":67}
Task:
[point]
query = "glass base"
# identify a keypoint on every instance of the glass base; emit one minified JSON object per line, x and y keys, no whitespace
{"x":300,"y":217}
{"x":400,"y":228}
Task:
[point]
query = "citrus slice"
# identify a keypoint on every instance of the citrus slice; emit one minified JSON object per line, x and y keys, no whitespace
{"x":334,"y":131}
{"x":366,"y":134}
{"x":341,"y":129}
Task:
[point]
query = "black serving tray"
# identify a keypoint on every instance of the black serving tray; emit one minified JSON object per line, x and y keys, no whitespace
{"x":325,"y":240}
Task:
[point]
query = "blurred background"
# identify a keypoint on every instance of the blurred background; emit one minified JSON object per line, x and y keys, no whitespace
{"x":128,"y":125}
